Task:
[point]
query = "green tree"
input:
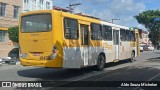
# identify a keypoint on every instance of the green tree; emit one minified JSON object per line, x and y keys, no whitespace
{"x":13,"y":34}
{"x":146,"y":18}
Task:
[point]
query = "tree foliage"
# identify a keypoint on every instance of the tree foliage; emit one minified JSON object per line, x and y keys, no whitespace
{"x":13,"y":34}
{"x":146,"y":18}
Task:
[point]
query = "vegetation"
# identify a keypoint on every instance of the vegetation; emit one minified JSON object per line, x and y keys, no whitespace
{"x":13,"y":34}
{"x":147,"y":18}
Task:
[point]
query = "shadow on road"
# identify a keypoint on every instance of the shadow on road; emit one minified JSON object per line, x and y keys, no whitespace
{"x":130,"y":73}
{"x":116,"y":64}
{"x":52,"y":74}
{"x":157,"y":59}
{"x":157,"y":52}
{"x":60,"y":74}
{"x":140,"y":72}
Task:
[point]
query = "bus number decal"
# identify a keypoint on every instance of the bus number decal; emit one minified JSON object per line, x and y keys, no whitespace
{"x":44,"y":57}
{"x":106,"y":45}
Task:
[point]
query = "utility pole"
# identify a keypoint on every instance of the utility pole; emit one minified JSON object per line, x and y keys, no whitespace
{"x":72,"y":6}
{"x":115,"y":19}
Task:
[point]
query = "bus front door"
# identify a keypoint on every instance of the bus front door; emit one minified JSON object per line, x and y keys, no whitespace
{"x":116,"y":44}
{"x":84,"y":44}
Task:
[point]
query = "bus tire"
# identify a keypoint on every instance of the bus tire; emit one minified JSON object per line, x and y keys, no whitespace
{"x":132,"y":59}
{"x":100,"y":63}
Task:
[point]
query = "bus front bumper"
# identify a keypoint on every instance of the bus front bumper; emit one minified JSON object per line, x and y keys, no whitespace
{"x":40,"y":63}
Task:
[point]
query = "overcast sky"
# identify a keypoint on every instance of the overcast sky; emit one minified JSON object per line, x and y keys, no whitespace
{"x":110,"y":9}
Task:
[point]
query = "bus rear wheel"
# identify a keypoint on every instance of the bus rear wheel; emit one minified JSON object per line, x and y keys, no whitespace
{"x":100,"y":63}
{"x":132,"y":59}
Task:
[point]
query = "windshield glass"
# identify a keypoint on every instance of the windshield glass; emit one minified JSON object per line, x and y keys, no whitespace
{"x":36,"y":23}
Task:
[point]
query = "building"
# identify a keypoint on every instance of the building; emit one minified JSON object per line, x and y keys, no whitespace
{"x":9,"y":13}
{"x":9,"y":16}
{"x":30,"y":5}
{"x":144,"y":39}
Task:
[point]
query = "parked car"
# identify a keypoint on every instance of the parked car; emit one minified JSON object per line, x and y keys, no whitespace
{"x":14,"y":56}
{"x":141,"y":48}
{"x":158,"y":47}
{"x":14,"y":53}
{"x":0,"y":61}
{"x":145,"y":47}
{"x":151,"y":48}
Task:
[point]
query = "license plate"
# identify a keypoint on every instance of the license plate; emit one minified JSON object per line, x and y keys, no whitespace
{"x":36,"y":54}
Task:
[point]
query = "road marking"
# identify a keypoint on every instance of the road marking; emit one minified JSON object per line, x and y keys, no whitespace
{"x":106,"y":76}
{"x":154,"y":77}
{"x":96,"y":73}
{"x":149,"y":80}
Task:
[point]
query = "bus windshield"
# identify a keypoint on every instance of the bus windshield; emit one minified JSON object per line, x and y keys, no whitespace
{"x":36,"y":23}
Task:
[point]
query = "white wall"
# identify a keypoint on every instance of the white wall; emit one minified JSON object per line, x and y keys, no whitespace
{"x":31,"y":5}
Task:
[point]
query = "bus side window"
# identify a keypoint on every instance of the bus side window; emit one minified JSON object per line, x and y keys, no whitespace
{"x":123,"y":34}
{"x":67,"y":33}
{"x":96,"y":31}
{"x":128,"y":35}
{"x":107,"y":33}
{"x":71,"y":28}
{"x":133,"y":36}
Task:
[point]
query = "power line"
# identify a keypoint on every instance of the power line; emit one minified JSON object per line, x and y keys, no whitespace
{"x":115,"y":19}
{"x":72,"y":6}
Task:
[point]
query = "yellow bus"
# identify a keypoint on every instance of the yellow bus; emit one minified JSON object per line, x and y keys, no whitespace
{"x":56,"y":39}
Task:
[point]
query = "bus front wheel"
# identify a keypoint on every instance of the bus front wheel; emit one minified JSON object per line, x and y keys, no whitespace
{"x":100,"y":63}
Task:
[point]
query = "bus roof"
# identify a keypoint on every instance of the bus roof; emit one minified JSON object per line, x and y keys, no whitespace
{"x":77,"y":16}
{"x":114,"y":25}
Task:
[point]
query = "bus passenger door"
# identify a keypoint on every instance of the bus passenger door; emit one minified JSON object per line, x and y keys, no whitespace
{"x":116,"y":44}
{"x":84,"y":44}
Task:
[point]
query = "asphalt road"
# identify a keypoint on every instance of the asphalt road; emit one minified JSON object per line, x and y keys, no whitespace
{"x":145,"y":68}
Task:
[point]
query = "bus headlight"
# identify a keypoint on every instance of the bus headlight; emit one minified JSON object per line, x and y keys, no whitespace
{"x":52,"y":56}
{"x":23,"y":55}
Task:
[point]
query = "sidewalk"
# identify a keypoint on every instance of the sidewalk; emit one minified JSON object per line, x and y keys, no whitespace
{"x":5,"y":67}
